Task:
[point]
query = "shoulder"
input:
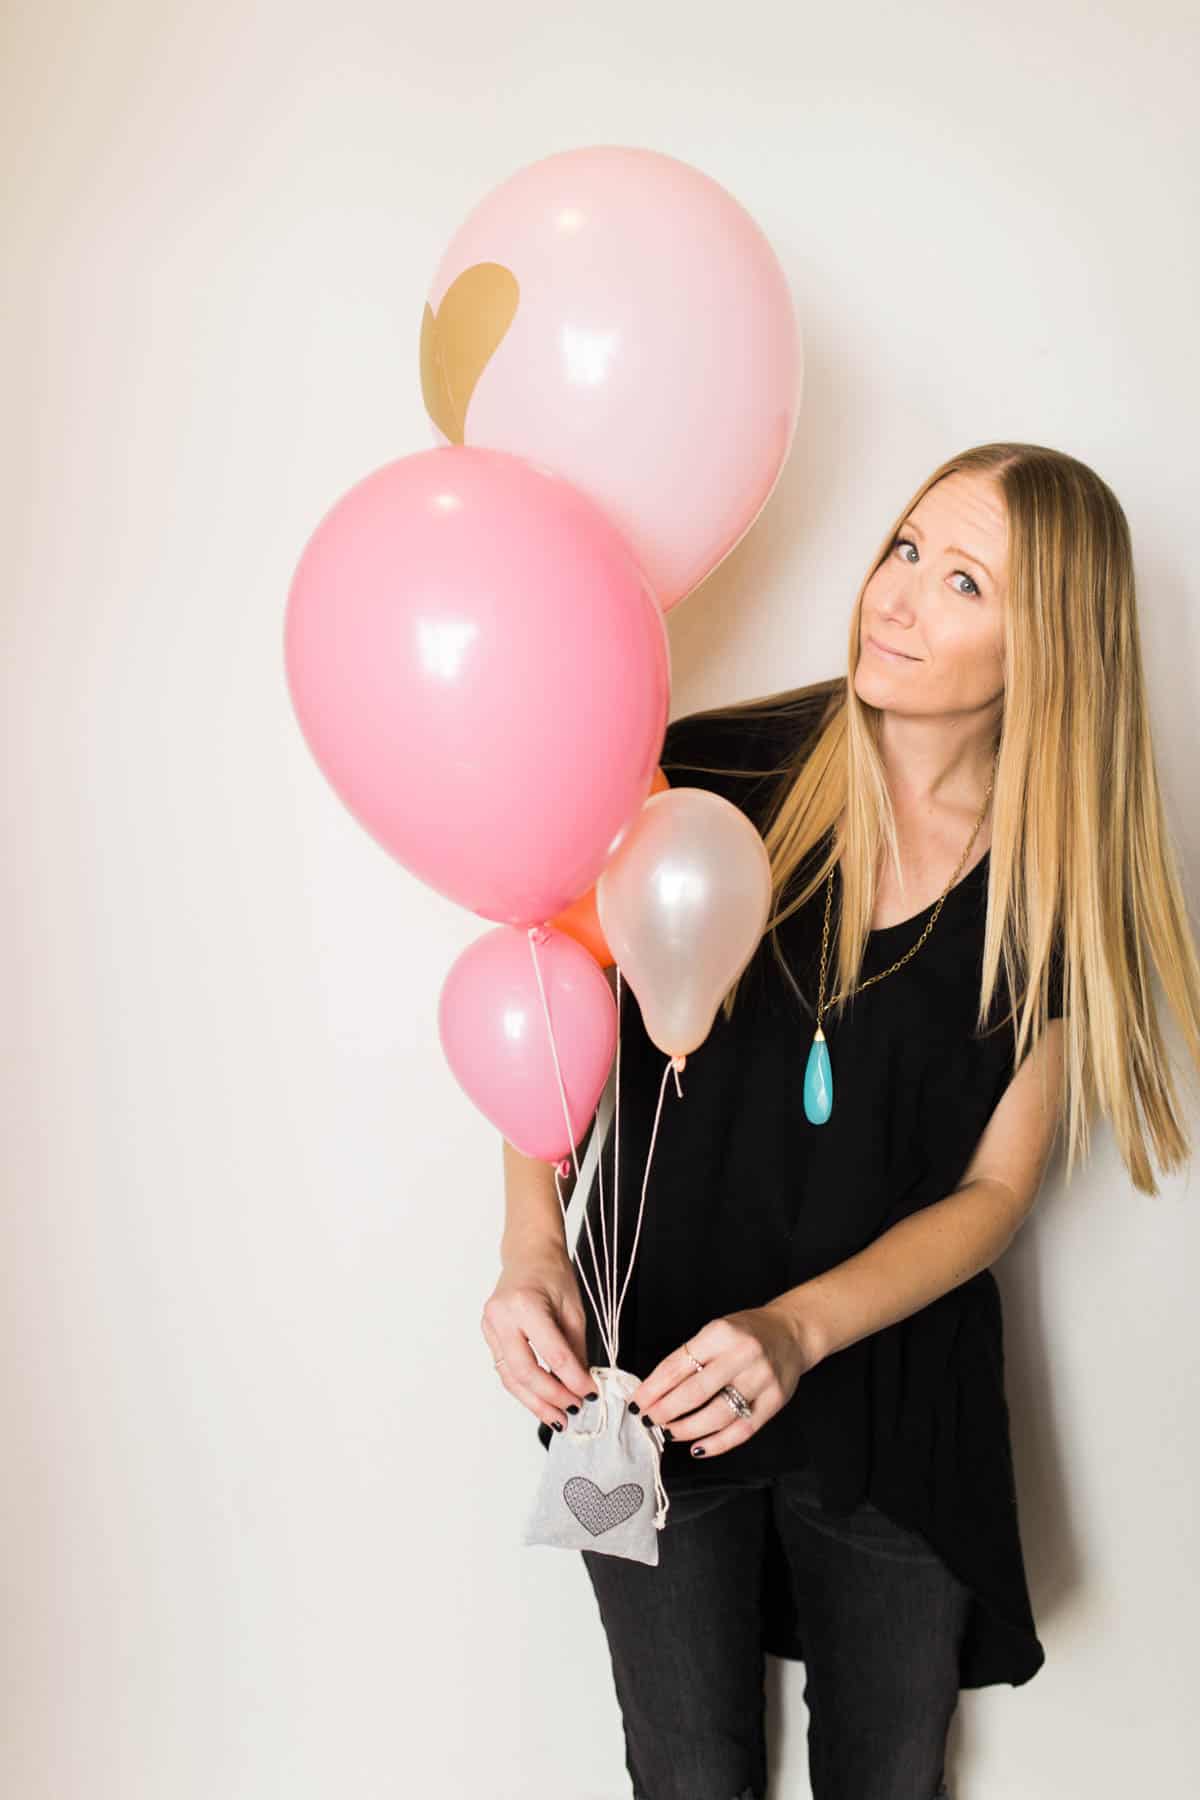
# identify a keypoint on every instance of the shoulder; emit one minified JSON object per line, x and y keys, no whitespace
{"x":749,"y":738}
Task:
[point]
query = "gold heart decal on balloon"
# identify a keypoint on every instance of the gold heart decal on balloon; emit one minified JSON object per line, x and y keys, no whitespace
{"x":460,"y":339}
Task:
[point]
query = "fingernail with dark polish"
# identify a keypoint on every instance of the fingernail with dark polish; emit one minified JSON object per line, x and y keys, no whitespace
{"x":646,"y":1419}
{"x":698,"y":1450}
{"x":572,"y":1409}
{"x":634,"y":1407}
{"x":668,"y":1434}
{"x":557,"y":1424}
{"x":591,"y":1396}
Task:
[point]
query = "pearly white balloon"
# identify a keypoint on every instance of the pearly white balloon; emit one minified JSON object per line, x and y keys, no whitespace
{"x":683,"y":903}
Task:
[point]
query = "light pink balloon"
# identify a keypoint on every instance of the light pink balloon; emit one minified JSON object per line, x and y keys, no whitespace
{"x":482,"y":673}
{"x":654,"y":358}
{"x":493,"y":1031}
{"x":684,"y":903}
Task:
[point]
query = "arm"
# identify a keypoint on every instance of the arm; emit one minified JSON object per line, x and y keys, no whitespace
{"x":533,"y":1320}
{"x":533,"y":1220}
{"x":944,"y":1244}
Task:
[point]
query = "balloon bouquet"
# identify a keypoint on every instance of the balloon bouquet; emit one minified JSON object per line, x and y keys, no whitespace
{"x":475,"y":640}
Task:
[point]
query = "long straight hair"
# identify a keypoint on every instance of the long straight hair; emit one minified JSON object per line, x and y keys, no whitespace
{"x":1083,"y":866}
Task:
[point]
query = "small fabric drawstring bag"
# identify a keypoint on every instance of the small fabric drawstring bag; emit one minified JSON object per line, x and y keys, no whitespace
{"x":601,"y":1486}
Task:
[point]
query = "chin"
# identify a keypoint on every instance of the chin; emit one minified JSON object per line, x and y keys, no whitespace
{"x":870,"y":682}
{"x":879,"y":688}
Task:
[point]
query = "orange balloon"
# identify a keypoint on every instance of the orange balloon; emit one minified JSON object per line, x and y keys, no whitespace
{"x":581,"y":921}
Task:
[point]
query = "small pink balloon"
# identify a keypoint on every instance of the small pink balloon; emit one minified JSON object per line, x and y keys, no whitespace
{"x":493,"y":1032}
{"x":618,"y":315}
{"x":482,"y":673}
{"x":684,"y":903}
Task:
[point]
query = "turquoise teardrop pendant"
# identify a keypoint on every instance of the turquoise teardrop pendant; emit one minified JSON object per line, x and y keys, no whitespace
{"x":818,"y":1082}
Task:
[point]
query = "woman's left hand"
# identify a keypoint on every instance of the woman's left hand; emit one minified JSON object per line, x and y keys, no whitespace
{"x":762,"y":1352}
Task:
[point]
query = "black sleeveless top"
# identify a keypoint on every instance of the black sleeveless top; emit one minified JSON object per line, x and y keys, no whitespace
{"x":747,"y":1198}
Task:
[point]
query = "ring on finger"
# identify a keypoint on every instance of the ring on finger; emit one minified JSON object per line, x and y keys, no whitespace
{"x":737,"y":1400}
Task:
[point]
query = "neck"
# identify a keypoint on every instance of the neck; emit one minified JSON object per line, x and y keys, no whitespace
{"x":939,"y":765}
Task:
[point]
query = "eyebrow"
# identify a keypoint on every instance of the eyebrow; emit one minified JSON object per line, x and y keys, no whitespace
{"x":953,"y":549}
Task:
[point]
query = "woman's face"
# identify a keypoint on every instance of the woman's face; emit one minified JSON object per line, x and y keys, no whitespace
{"x":938,"y":597}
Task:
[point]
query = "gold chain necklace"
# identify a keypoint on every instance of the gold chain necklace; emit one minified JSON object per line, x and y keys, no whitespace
{"x":818,"y":1073}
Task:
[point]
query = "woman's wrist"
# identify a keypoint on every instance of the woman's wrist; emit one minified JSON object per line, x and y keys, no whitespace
{"x":525,"y":1244}
{"x":803,"y":1319}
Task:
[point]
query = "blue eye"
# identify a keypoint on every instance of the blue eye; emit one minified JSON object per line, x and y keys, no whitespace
{"x":975,"y":589}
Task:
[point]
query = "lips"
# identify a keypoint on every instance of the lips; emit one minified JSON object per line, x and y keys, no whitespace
{"x":886,"y":650}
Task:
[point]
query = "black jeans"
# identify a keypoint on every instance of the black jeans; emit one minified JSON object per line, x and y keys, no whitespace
{"x":881,"y":1618}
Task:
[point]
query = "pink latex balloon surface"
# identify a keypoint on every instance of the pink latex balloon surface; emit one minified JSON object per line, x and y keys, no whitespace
{"x":616,"y":314}
{"x":684,"y":903}
{"x":482,"y":673}
{"x":493,"y":1032}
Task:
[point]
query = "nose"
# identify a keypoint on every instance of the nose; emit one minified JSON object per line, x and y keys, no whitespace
{"x":897,"y":603}
{"x":897,"y":617}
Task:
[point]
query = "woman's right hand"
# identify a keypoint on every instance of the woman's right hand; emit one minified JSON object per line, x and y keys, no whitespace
{"x":536,"y":1301}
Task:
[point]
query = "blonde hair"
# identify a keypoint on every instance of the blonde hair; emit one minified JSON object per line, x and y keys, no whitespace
{"x":1082,"y":861}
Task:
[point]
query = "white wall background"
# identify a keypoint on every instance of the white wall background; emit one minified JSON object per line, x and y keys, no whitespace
{"x":261,"y":1489}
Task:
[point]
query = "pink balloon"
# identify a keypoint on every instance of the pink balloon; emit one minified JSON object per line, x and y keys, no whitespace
{"x":493,"y":1031}
{"x":482,"y":672}
{"x":617,"y":315}
{"x":684,"y":903}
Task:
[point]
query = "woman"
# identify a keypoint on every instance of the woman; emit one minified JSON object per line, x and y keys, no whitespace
{"x":973,"y":816}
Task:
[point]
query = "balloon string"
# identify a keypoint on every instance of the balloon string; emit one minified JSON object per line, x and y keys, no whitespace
{"x":671,"y":1067}
{"x":608,"y":1318}
{"x":612,"y":1288}
{"x":602,"y":1318}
